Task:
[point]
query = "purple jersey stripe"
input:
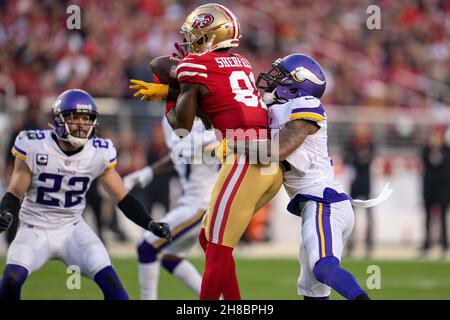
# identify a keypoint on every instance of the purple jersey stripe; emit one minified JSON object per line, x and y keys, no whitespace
{"x":112,"y":160}
{"x":19,"y":150}
{"x":326,"y":212}
{"x":318,"y":110}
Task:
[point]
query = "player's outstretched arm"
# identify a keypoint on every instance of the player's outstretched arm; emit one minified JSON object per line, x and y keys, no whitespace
{"x":153,"y":91}
{"x":19,"y":184}
{"x":131,"y":206}
{"x":149,"y":91}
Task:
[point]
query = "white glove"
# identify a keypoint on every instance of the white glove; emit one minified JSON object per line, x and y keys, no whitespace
{"x":142,"y":177}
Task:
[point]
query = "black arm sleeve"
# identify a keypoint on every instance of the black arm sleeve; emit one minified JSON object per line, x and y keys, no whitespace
{"x":135,"y":211}
{"x":10,"y":203}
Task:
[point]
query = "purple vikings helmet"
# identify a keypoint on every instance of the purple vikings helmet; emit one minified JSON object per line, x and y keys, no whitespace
{"x":293,"y":76}
{"x":72,"y":102}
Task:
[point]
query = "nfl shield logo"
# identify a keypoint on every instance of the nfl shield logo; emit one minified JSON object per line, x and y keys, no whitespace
{"x":67,"y":163}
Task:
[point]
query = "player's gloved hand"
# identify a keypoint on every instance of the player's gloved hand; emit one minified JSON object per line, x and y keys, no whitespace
{"x":160,"y":229}
{"x":181,"y":50}
{"x":149,"y":91}
{"x":6,"y":219}
{"x":142,"y":177}
{"x":222,"y":151}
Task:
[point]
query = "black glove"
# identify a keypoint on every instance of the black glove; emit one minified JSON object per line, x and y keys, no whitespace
{"x":160,"y":229}
{"x":6,"y":219}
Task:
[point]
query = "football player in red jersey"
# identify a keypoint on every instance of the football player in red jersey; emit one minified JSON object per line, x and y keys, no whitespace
{"x":220,"y":86}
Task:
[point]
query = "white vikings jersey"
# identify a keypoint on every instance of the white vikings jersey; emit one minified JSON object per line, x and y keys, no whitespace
{"x":197,"y":179}
{"x":308,"y":171}
{"x":56,"y":195}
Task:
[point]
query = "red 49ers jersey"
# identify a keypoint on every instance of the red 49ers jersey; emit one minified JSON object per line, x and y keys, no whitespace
{"x":232,"y":101}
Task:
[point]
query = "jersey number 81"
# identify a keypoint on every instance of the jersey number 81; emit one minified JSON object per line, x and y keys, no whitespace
{"x":246,"y":95}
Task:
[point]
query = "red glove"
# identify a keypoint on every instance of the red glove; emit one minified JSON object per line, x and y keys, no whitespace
{"x":181,"y":50}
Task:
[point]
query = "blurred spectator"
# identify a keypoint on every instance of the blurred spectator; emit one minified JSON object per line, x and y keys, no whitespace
{"x":436,"y":185}
{"x":407,"y":66}
{"x":130,"y":154}
{"x":359,"y":157}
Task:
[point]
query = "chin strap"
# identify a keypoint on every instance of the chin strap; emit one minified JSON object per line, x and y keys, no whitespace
{"x":76,"y":142}
{"x":386,"y":193}
{"x":270,"y":98}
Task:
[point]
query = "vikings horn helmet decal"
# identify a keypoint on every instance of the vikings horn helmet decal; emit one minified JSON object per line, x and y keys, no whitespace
{"x":293,"y":76}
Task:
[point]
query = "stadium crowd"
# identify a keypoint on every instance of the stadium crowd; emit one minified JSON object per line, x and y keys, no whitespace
{"x":406,"y":63}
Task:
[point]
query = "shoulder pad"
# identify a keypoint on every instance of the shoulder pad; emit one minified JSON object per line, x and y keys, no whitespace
{"x":193,"y":68}
{"x":26,"y":142}
{"x":307,"y":108}
{"x":108,"y":150}
{"x":31,"y":134}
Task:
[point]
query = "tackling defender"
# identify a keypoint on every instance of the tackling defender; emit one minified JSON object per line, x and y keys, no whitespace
{"x":293,"y":88}
{"x":220,"y":87}
{"x":197,"y":181}
{"x":53,"y":170}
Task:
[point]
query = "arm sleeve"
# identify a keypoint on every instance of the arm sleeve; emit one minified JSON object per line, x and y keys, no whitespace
{"x":134,"y":210}
{"x":10,"y":203}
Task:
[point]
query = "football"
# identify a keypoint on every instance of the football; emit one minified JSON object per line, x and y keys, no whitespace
{"x":164,"y":67}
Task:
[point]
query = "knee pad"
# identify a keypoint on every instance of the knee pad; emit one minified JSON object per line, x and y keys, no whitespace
{"x":14,"y":275}
{"x":146,"y":253}
{"x":324,"y":266}
{"x":170,"y":262}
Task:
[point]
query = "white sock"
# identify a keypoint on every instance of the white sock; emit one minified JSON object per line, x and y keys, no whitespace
{"x":188,"y":274}
{"x":148,"y":280}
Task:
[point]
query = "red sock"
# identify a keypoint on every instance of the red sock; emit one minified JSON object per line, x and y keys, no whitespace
{"x":217,"y":278}
{"x":202,"y":239}
{"x":231,"y":290}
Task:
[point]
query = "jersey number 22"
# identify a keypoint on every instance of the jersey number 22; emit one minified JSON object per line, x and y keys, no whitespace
{"x":72,"y":197}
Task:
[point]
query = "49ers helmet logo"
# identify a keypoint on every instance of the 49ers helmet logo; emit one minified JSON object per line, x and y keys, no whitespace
{"x":202,"y":20}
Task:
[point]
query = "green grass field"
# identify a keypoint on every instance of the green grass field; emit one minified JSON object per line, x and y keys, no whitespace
{"x":259,"y":279}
